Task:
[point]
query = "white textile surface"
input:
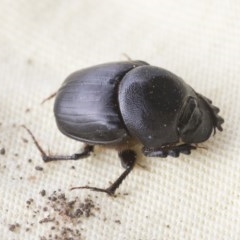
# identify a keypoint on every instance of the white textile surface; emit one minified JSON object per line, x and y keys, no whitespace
{"x":190,"y":197}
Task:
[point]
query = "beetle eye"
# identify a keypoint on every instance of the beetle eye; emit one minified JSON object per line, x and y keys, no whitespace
{"x":190,"y":117}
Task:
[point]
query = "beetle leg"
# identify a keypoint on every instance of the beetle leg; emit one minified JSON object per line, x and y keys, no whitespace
{"x":48,"y":158}
{"x":128,"y":159}
{"x":127,"y":57}
{"x":76,"y":156}
{"x":49,"y":97}
{"x":164,"y":151}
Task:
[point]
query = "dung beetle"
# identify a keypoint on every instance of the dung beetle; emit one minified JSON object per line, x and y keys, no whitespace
{"x":121,"y":104}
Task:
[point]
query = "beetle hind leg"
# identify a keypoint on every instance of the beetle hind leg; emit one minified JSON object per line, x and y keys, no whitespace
{"x":164,"y":151}
{"x":49,"y":158}
{"x":128,"y":159}
{"x":76,"y":156}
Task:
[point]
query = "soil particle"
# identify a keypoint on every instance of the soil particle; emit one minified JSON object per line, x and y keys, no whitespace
{"x":14,"y":227}
{"x":63,"y":217}
{"x":2,"y":151}
{"x":38,"y":168}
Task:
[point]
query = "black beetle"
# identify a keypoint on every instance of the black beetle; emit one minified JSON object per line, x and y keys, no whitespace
{"x":123,"y":103}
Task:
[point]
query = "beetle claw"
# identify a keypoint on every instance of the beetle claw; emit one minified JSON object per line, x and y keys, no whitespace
{"x":107,"y":190}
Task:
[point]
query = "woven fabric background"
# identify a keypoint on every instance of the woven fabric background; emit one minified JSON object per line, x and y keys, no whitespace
{"x":42,"y":42}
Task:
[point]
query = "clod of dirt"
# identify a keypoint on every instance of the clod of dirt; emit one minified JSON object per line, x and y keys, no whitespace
{"x":38,"y":168}
{"x":61,"y":215}
{"x":2,"y":151}
{"x":14,"y":227}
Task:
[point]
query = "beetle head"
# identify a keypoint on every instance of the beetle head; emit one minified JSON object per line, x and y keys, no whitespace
{"x":198,"y":119}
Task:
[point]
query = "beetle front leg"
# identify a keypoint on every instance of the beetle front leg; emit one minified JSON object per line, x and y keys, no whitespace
{"x":165,"y":151}
{"x":49,"y":158}
{"x":128,"y":159}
